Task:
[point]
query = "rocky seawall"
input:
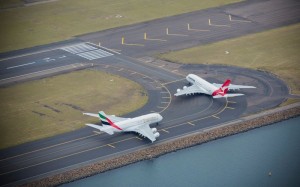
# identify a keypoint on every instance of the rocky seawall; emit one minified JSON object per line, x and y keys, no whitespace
{"x":241,"y":125}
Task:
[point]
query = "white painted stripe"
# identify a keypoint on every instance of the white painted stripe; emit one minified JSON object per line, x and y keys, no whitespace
{"x":78,"y":48}
{"x":20,"y":65}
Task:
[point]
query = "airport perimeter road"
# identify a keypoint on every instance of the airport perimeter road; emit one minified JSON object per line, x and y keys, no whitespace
{"x":199,"y":27}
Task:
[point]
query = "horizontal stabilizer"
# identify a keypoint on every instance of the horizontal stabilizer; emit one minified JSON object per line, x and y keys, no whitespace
{"x":227,"y":95}
{"x":108,"y":130}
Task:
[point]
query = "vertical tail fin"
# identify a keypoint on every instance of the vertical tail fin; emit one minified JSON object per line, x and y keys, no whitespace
{"x":225,"y":86}
{"x":222,"y":90}
{"x":106,"y":121}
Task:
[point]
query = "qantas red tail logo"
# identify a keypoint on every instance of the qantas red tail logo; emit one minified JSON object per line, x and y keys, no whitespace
{"x":223,"y":89}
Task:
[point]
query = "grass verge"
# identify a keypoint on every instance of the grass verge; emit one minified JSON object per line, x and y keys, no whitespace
{"x":276,"y":51}
{"x":28,"y":26}
{"x":54,"y":105}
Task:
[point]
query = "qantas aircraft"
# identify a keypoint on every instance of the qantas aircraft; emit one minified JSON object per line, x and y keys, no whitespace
{"x":200,"y":85}
{"x":111,"y":124}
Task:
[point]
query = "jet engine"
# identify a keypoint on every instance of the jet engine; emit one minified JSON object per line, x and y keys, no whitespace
{"x":178,"y":90}
{"x":154,"y":130}
{"x":184,"y":87}
{"x":156,"y":135}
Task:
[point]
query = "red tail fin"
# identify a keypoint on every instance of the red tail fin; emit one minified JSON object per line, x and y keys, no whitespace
{"x":223,"y":89}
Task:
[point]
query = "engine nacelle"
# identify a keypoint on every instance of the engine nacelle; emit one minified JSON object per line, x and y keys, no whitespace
{"x":156,"y":135}
{"x":178,"y":90}
{"x":185,"y":87}
{"x":154,"y":130}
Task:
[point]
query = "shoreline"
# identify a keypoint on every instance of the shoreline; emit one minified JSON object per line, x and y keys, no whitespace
{"x":205,"y":135}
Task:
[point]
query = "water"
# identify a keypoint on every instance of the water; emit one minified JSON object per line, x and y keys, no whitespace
{"x":241,"y":160}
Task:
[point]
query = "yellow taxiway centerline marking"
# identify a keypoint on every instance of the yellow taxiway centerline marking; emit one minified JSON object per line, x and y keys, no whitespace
{"x":165,"y":130}
{"x":49,"y":147}
{"x":191,"y":123}
{"x":167,"y":32}
{"x":190,"y":29}
{"x":166,"y":97}
{"x":145,"y":38}
{"x":209,"y":23}
{"x":111,"y":146}
{"x":230,"y":108}
{"x":244,"y":21}
{"x":160,"y":107}
{"x":97,"y":132}
{"x":138,"y":138}
{"x":173,"y":81}
{"x":231,"y":102}
{"x":161,"y":66}
{"x":215,"y":116}
{"x":132,"y":73}
{"x":65,"y":156}
{"x":123,"y":43}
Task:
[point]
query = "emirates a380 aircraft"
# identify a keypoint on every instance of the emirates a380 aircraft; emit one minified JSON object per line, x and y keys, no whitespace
{"x":200,"y":85}
{"x":111,"y":124}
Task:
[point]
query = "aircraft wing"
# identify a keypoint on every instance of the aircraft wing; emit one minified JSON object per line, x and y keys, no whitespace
{"x":233,"y":86}
{"x":113,"y":118}
{"x":144,"y":130}
{"x":190,"y":90}
{"x":91,"y":114}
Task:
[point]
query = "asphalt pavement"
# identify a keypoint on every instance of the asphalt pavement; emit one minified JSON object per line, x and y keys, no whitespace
{"x":182,"y":115}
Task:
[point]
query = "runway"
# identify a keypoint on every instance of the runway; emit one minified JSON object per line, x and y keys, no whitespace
{"x":182,"y":115}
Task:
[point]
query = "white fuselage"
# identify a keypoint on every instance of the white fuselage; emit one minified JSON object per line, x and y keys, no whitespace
{"x":201,"y":83}
{"x":126,"y":125}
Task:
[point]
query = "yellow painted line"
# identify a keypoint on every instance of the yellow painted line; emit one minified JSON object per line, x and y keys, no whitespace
{"x":164,"y":92}
{"x":230,"y":108}
{"x":161,"y":66}
{"x":146,"y":38}
{"x":190,"y":29}
{"x":159,"y":87}
{"x":121,"y":69}
{"x":243,"y":21}
{"x":165,"y":130}
{"x":173,"y":81}
{"x":175,"y":70}
{"x":138,"y":138}
{"x":111,"y":146}
{"x":132,"y":73}
{"x":215,"y":116}
{"x":209,"y":23}
{"x":123,"y":43}
{"x":164,"y":102}
{"x":97,"y":132}
{"x":231,"y":102}
{"x":191,"y":123}
{"x":167,"y":32}
{"x":160,"y":107}
{"x":49,"y":147}
{"x":64,"y":156}
{"x":166,"y":97}
{"x":145,"y":77}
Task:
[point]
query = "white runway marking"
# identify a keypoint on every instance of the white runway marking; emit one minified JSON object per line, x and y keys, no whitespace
{"x":20,"y":65}
{"x":86,"y":51}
